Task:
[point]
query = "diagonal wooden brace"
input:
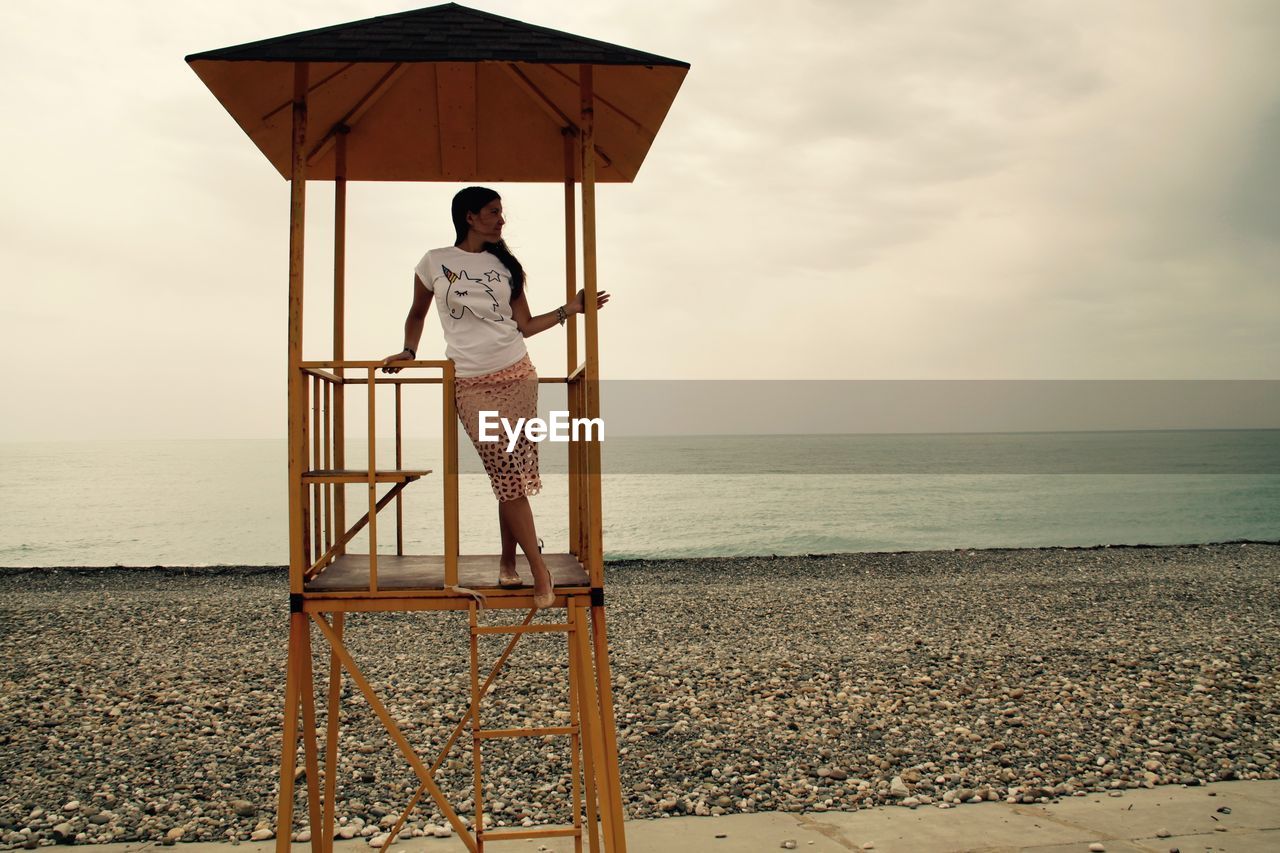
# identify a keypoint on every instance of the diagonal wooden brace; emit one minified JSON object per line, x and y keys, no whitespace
{"x":457,"y":730}
{"x":324,"y":561}
{"x":424,"y":774}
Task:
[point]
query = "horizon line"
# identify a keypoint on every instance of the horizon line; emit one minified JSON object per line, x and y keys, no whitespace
{"x":436,"y":437}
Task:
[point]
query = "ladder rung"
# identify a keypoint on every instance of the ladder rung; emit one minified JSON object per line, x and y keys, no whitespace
{"x":519,"y":834}
{"x":497,"y":733}
{"x":522,"y":629}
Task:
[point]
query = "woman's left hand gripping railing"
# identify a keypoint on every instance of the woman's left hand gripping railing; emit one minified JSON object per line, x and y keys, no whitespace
{"x":325,"y":531}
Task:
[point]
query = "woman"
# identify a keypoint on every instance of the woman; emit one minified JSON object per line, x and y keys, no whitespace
{"x":485,"y":318}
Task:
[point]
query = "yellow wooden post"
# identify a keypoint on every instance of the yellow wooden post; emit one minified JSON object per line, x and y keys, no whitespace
{"x":578,"y":449}
{"x":289,"y":754}
{"x":317,"y":489}
{"x":476,"y":766}
{"x":373,"y":487}
{"x":339,"y":324}
{"x":450,"y":450}
{"x":571,"y":340}
{"x":327,"y":827}
{"x":328,"y":463}
{"x":608,"y":725}
{"x":570,"y":250}
{"x":597,"y":778}
{"x":579,"y":742}
{"x":595,"y":532}
{"x":305,"y":442}
{"x":307,"y":692}
{"x":399,"y":466}
{"x":297,"y":408}
{"x":608,"y":779}
{"x":297,"y":399}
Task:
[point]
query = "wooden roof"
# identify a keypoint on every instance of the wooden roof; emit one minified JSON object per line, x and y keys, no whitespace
{"x":445,"y":33}
{"x":444,"y":93}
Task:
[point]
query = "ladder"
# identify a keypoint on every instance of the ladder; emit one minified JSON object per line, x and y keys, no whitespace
{"x":595,"y":795}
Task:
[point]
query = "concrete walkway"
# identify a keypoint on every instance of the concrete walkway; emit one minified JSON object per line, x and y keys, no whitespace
{"x":1236,"y":817}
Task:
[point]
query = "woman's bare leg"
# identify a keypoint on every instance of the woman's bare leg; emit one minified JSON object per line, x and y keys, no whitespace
{"x":507,"y":562}
{"x":518,"y":516}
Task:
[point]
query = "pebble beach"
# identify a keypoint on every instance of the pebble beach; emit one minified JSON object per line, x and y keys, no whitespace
{"x":144,"y":704}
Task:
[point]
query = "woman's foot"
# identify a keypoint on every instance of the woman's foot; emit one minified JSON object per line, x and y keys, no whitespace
{"x":543,"y":590}
{"x":508,"y":577}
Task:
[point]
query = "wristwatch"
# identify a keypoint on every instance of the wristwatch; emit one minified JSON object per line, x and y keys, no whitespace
{"x":561,"y":315}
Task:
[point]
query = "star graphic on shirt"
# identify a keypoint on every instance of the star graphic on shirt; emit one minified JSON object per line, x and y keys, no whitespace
{"x":493,"y":275}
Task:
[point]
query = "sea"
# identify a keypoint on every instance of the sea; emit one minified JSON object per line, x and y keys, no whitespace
{"x":224,"y":502}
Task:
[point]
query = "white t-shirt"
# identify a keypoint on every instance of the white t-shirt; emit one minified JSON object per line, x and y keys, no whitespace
{"x":473,"y":294}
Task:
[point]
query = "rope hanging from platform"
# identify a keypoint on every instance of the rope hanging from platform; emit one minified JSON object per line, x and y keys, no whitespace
{"x":478,"y":596}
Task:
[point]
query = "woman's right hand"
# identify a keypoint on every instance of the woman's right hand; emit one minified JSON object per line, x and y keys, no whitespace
{"x":403,"y":355}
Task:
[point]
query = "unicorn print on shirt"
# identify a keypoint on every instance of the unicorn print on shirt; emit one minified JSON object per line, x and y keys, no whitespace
{"x":472,"y":294}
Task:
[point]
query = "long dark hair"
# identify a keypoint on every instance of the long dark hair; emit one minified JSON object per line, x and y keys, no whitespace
{"x":473,"y":200}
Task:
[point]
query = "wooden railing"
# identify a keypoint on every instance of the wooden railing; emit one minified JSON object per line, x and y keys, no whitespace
{"x":325,"y":529}
{"x":578,"y":480}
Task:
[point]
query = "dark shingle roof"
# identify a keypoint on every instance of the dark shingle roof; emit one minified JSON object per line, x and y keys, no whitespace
{"x":447,"y":33}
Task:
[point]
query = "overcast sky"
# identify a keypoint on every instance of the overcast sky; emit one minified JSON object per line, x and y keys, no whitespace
{"x":842,"y":190}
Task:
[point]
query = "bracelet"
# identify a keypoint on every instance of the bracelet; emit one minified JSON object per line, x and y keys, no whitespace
{"x":412,"y":354}
{"x":561,"y":316}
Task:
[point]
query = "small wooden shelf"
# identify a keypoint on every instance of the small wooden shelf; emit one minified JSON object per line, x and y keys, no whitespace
{"x":352,"y":475}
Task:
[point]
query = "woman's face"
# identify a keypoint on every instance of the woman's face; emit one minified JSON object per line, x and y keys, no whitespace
{"x":487,"y":223}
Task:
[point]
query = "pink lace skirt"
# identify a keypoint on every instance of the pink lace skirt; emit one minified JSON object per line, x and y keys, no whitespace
{"x":513,"y":393}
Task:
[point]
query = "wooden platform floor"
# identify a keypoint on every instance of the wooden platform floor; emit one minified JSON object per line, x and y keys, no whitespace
{"x":350,"y":572}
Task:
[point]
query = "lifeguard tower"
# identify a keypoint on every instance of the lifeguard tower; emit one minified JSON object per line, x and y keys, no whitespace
{"x":453,"y":94}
